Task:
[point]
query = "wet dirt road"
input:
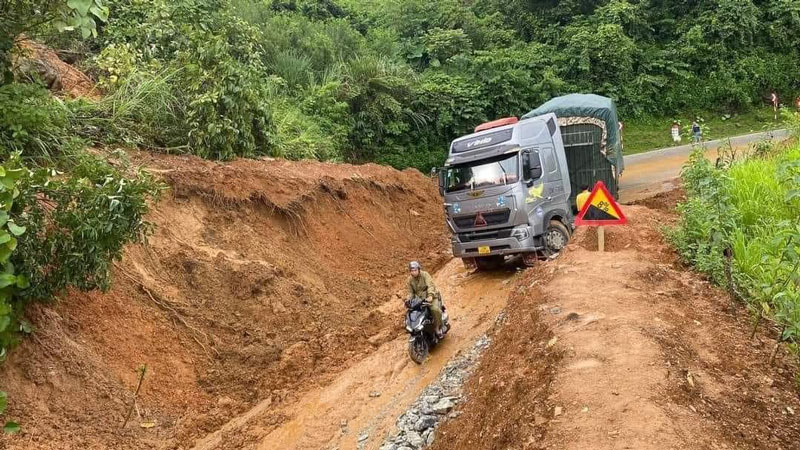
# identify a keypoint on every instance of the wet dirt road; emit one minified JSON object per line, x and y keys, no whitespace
{"x":650,"y":173}
{"x":318,"y":419}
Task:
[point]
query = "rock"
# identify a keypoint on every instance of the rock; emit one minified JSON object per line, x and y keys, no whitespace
{"x":429,"y":440}
{"x":389,"y":446}
{"x":374,"y":394}
{"x":225,"y":402}
{"x":557,"y":411}
{"x":443,"y":406}
{"x":413,"y":438}
{"x":424,"y":422}
{"x":363,"y":437}
{"x":343,"y":423}
{"x":430,"y":399}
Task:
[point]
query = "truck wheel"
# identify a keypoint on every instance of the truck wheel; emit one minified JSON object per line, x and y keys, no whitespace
{"x":489,"y":262}
{"x":556,"y":237}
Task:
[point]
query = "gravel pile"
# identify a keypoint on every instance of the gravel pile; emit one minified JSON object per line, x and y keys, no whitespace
{"x":417,"y":426}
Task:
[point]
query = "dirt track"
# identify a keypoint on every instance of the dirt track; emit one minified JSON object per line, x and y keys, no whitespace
{"x":627,"y":349}
{"x":315,"y":421}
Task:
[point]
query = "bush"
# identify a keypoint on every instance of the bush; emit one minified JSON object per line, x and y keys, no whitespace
{"x":751,"y":209}
{"x":31,"y":121}
{"x":78,"y":224}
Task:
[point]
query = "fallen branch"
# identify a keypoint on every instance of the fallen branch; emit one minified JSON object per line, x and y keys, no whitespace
{"x":142,"y":371}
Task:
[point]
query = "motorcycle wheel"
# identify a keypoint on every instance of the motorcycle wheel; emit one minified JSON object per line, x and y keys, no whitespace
{"x":418,"y":350}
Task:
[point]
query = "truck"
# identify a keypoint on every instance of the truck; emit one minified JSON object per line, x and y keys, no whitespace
{"x":509,"y":187}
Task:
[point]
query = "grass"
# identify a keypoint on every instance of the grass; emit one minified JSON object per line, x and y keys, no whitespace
{"x":642,"y":135}
{"x":751,"y":206}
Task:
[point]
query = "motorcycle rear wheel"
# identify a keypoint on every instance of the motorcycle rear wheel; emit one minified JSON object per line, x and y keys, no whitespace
{"x":418,"y":350}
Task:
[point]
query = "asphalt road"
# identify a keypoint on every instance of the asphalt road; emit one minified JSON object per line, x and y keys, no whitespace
{"x":656,"y":171}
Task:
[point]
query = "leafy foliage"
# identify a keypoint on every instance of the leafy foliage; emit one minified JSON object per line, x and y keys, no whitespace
{"x":396,"y":81}
{"x":751,"y":207}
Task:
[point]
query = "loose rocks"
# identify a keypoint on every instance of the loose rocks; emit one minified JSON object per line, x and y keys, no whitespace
{"x":417,"y":426}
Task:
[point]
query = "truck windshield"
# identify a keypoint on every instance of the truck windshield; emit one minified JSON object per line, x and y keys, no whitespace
{"x":496,"y":171}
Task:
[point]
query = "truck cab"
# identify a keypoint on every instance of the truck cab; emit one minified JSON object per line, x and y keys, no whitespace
{"x":506,"y":190}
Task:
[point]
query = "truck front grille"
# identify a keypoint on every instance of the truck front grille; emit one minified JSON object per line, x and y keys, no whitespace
{"x":491,"y":218}
{"x":484,"y":235}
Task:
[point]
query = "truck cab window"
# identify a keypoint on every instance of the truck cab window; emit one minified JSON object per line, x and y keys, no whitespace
{"x":497,"y":171}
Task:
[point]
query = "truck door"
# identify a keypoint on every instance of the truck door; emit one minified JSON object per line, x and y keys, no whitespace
{"x":553,"y":187}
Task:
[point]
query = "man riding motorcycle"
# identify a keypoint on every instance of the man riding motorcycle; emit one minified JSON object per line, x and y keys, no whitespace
{"x":420,"y":284}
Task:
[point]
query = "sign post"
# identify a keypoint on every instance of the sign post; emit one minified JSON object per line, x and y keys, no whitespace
{"x":599,"y":211}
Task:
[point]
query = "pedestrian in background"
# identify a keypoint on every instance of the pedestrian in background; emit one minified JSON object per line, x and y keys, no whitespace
{"x":696,"y":132}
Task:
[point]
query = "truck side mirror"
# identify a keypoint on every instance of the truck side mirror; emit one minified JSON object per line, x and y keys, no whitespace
{"x":441,"y":182}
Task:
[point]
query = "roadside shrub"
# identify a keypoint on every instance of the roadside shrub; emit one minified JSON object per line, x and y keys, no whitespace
{"x":78,"y":223}
{"x":141,"y":108}
{"x":752,"y":209}
{"x":31,"y":121}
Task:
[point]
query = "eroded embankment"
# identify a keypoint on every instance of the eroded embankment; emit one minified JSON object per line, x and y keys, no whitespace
{"x":626,"y":349}
{"x":263,"y":279}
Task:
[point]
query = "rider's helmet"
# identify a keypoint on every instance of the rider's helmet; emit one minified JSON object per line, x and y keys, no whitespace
{"x":414,"y":265}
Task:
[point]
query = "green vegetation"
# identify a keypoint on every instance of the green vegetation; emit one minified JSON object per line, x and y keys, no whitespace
{"x":747,"y":205}
{"x":394,"y":82}
{"x":65,"y":212}
{"x":651,"y":133}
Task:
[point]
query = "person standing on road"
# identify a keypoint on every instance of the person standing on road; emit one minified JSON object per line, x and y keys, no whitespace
{"x":420,"y":284}
{"x":581,"y":198}
{"x":696,"y":133}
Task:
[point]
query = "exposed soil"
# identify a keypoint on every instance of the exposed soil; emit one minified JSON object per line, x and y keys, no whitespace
{"x":507,"y":396}
{"x":263,"y":280}
{"x":473,"y":301}
{"x":644,"y":354}
{"x":59,"y":76}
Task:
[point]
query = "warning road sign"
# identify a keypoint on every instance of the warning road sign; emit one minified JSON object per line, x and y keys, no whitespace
{"x":600,"y":209}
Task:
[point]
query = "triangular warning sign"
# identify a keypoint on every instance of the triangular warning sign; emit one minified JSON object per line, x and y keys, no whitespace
{"x":600,"y":209}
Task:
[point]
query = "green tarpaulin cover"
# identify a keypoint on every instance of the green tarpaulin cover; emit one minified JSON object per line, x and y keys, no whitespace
{"x":589,"y":105}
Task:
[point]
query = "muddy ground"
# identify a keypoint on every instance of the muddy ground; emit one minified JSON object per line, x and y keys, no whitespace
{"x":267,"y":310}
{"x":263,"y":280}
{"x":627,"y":349}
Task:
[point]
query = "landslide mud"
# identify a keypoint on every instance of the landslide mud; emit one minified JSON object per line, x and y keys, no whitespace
{"x":264,"y":280}
{"x":371,"y":394}
{"x":627,"y":349}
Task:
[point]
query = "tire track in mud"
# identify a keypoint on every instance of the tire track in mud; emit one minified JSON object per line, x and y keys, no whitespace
{"x":372,"y":393}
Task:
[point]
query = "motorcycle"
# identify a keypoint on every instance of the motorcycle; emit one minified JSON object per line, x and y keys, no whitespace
{"x":419,"y":324}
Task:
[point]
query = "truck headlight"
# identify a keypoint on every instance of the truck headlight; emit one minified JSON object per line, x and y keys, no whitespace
{"x":520,"y":233}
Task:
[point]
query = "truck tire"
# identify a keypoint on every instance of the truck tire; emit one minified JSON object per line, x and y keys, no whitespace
{"x":555,"y":237}
{"x":489,"y":262}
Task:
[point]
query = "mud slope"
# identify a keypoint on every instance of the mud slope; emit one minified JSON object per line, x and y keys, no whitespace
{"x":263,"y":280}
{"x":626,"y":349}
